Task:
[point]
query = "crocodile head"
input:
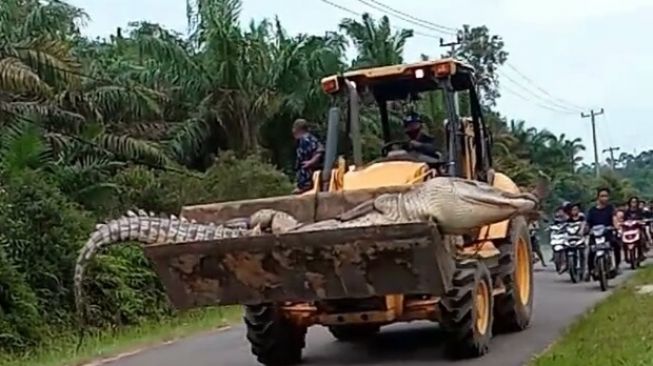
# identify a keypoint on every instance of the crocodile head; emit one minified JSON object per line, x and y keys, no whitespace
{"x":458,"y":205}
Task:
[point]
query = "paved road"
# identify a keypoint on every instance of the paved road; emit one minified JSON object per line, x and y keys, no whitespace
{"x":557,"y":303}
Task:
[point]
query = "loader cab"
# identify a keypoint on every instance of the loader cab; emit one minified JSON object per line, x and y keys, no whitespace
{"x":395,"y":90}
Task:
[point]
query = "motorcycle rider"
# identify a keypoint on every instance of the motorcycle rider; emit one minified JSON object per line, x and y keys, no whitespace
{"x":560,"y":216}
{"x":575,"y":213}
{"x":603,"y":213}
{"x":635,"y":212}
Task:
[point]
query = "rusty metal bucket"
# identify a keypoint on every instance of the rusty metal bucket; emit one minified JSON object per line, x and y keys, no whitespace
{"x":329,"y":264}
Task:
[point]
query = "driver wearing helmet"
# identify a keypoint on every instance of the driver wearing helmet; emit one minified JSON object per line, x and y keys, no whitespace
{"x":419,"y":141}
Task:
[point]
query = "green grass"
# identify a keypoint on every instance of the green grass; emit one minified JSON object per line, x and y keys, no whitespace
{"x":61,"y":350}
{"x":618,"y":331}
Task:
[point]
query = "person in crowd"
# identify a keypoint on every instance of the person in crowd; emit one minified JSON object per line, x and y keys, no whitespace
{"x":603,"y":213}
{"x":575,"y":213}
{"x":634,"y":210}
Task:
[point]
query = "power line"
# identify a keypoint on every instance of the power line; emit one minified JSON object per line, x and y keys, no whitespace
{"x":559,"y":106}
{"x":556,"y":107}
{"x":503,"y":87}
{"x":409,"y":18}
{"x":445,"y":28}
{"x":529,"y":80}
{"x":560,"y":102}
{"x":352,"y":12}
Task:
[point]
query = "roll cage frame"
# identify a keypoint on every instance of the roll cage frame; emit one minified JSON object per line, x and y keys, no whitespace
{"x":399,"y":82}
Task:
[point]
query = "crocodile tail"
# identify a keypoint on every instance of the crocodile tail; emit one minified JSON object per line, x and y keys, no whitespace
{"x":143,"y":228}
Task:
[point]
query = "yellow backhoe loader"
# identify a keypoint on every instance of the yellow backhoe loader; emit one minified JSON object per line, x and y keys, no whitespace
{"x":356,"y":280}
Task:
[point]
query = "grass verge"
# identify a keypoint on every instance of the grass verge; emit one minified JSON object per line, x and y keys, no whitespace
{"x":618,"y":331}
{"x":61,"y":350}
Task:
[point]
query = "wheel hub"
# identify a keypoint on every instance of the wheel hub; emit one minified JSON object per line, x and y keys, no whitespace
{"x":482,"y":307}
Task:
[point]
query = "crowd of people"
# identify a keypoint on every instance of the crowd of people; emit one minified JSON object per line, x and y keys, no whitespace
{"x":605,"y":213}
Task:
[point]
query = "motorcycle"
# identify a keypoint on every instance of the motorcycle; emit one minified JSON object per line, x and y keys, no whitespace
{"x":575,"y":251}
{"x":557,"y":237}
{"x":632,"y":240}
{"x":599,"y":246}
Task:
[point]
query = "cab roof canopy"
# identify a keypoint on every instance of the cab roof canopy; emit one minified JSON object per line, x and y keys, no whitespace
{"x":400,"y":81}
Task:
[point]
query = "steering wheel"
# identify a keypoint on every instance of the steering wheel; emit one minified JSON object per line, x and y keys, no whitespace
{"x":389,"y":146}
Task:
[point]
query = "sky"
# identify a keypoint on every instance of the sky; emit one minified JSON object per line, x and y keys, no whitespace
{"x":585,"y":54}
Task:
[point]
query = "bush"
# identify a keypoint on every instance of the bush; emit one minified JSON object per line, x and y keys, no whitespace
{"x":42,"y":232}
{"x":230,"y":178}
{"x":42,"y":229}
{"x":21,"y":323}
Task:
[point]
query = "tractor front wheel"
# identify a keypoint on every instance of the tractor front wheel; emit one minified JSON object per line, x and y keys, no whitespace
{"x":514,"y":307}
{"x":274,"y":339}
{"x":466,"y":310}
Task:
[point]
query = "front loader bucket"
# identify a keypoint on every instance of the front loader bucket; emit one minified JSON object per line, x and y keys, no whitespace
{"x":308,"y":266}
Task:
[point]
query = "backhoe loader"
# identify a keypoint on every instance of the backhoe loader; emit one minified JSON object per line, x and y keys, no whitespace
{"x":355,"y":281}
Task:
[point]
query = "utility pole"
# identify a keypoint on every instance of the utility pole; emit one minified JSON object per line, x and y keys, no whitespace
{"x":593,"y":115}
{"x":611,"y":150}
{"x":453,"y":45}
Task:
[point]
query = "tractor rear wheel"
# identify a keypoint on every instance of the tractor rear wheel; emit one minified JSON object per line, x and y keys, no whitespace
{"x":353,"y":332}
{"x":274,"y":339}
{"x":466,"y":310}
{"x":513,"y":308}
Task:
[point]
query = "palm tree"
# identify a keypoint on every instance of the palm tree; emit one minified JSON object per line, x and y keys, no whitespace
{"x":233,"y":82}
{"x":571,"y":150}
{"x":375,"y":42}
{"x":56,"y":114}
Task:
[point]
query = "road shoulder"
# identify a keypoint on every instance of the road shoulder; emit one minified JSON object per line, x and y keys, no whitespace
{"x":616,"y":331}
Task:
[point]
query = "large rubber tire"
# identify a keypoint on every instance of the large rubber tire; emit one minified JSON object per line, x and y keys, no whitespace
{"x":275,"y":341}
{"x":459,"y":315}
{"x":630,"y":256}
{"x":572,"y":266}
{"x":511,"y":312}
{"x":352,"y":333}
{"x":558,"y":259}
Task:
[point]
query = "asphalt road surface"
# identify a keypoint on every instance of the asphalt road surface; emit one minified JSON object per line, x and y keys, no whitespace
{"x":557,"y":303}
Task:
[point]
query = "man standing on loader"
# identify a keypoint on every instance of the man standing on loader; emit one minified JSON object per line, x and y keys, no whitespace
{"x":310,"y":153}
